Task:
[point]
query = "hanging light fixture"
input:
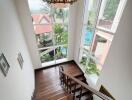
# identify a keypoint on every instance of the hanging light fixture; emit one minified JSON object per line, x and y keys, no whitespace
{"x":60,"y":3}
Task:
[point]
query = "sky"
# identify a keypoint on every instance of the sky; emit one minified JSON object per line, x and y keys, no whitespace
{"x":35,"y":5}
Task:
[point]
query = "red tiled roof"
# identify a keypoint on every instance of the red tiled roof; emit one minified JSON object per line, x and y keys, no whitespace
{"x":42,"y":28}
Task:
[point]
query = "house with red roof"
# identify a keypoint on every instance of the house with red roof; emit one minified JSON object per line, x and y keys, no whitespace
{"x":42,"y":23}
{"x":43,"y":27}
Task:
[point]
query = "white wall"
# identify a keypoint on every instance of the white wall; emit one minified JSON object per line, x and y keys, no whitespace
{"x":78,"y":32}
{"x":116,"y":75}
{"x":27,"y":26}
{"x":19,"y":84}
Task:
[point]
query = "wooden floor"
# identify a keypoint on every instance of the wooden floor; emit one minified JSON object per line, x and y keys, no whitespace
{"x":48,"y":84}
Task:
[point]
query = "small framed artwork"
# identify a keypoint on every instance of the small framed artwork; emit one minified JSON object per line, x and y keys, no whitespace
{"x":20,"y":60}
{"x":4,"y":66}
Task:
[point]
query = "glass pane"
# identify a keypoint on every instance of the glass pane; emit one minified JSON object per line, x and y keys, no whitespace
{"x":101,"y":45}
{"x":89,"y":64}
{"x":91,"y":12}
{"x":44,"y":40}
{"x":37,"y":6}
{"x":83,"y":60}
{"x":93,"y":7}
{"x":88,"y":37}
{"x":46,"y":55}
{"x":107,"y":13}
{"x":41,"y":18}
{"x":61,"y":34}
{"x":40,"y":12}
{"x":51,"y":29}
{"x":60,"y":15}
{"x":92,"y":67}
{"x":61,"y":52}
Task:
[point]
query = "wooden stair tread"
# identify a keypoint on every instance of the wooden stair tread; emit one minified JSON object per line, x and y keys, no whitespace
{"x":53,"y":87}
{"x":86,"y":94}
{"x":49,"y":91}
{"x":58,"y":96}
{"x":79,"y":75}
{"x":68,"y":97}
{"x":47,"y":95}
{"x":73,"y":82}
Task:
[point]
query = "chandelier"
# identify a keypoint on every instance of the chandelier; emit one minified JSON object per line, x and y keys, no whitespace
{"x":60,"y":1}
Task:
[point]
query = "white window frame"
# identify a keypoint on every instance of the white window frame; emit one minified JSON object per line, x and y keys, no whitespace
{"x":113,"y":29}
{"x":54,"y":44}
{"x":85,"y":18}
{"x":117,"y":17}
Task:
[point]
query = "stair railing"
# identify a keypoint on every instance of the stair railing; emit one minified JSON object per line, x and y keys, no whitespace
{"x":64,"y":77}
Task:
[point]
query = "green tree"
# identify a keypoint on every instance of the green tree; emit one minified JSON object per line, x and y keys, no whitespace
{"x":110,"y":9}
{"x":46,"y":57}
{"x":90,"y":66}
{"x":91,"y":20}
{"x":58,"y":29}
{"x":61,"y":34}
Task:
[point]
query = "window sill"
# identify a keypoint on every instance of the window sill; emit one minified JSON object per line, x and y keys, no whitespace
{"x":50,"y":63}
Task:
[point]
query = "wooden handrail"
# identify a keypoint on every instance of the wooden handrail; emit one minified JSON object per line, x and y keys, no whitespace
{"x":99,"y":94}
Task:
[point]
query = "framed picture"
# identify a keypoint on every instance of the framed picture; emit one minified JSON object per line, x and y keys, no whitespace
{"x":20,"y":60}
{"x":4,"y":66}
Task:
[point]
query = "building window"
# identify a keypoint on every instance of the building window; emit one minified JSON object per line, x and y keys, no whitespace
{"x":51,"y":31}
{"x":101,"y":18}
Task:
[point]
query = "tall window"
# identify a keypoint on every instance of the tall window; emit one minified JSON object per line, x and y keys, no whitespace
{"x":51,"y":31}
{"x":101,"y":18}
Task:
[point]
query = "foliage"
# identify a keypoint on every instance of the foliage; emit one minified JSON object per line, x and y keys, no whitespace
{"x":83,"y":61}
{"x":61,"y":35}
{"x":59,"y":53}
{"x":100,"y":39}
{"x":42,"y":38}
{"x":91,"y":20}
{"x":59,"y":15}
{"x":43,"y":7}
{"x":58,"y":28}
{"x":90,"y":66}
{"x":110,"y":9}
{"x":46,"y":57}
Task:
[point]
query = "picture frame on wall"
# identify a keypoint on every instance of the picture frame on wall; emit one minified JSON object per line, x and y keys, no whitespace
{"x":4,"y":65}
{"x":20,"y":60}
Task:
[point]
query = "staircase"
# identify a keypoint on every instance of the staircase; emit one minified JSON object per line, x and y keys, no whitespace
{"x":78,"y":87}
{"x":48,"y":86}
{"x":73,"y":88}
{"x":64,"y":84}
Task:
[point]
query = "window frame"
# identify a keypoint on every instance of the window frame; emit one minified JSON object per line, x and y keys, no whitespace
{"x":116,"y":19}
{"x":55,"y":45}
{"x":111,"y":32}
